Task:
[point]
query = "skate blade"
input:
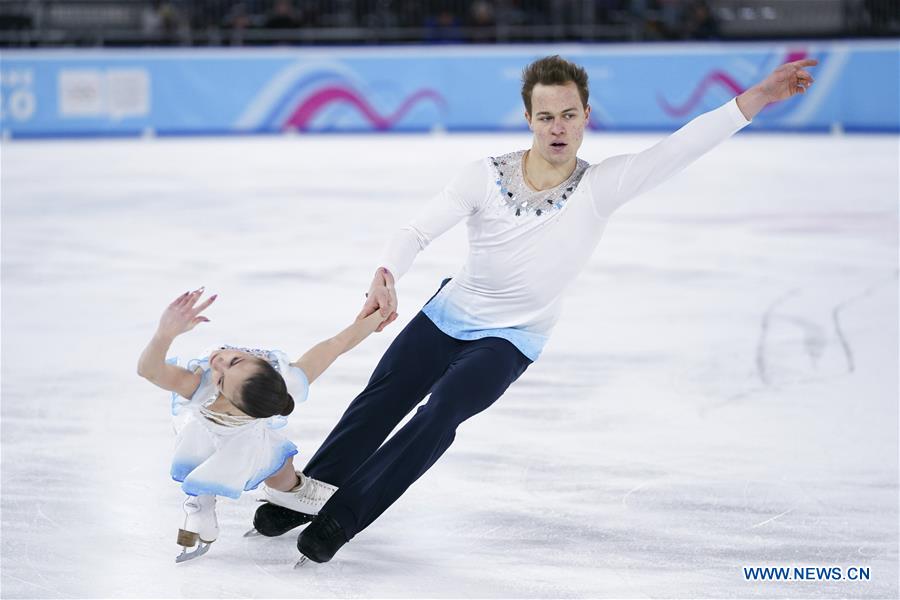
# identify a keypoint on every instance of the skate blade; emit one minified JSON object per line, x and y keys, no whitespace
{"x":253,"y":533}
{"x":303,"y":560}
{"x":202,"y":548}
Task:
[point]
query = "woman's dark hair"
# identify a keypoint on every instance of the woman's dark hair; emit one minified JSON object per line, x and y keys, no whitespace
{"x":264,"y":394}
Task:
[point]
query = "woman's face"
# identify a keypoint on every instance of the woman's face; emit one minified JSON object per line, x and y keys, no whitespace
{"x":230,"y":368}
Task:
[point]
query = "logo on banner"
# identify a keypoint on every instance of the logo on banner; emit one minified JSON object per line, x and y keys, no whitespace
{"x":103,"y":93}
{"x":17,"y":98}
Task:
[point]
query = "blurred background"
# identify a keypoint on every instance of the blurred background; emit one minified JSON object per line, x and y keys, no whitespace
{"x":213,"y":67}
{"x":32,"y":23}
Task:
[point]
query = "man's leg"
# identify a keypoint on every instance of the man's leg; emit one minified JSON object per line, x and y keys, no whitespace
{"x":414,"y":361}
{"x":480,"y":373}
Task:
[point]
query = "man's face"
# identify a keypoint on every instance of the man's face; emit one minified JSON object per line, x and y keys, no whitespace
{"x":558,"y":120}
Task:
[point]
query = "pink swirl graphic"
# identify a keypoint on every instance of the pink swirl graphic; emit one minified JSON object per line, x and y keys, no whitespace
{"x":714,"y":78}
{"x":303,"y":115}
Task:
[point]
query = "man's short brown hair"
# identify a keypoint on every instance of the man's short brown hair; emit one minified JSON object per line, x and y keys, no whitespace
{"x":553,"y":70}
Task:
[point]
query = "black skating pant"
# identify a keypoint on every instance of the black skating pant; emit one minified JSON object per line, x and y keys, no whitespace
{"x":463,"y":377}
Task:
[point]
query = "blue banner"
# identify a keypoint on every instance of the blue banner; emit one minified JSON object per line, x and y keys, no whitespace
{"x":235,"y":91}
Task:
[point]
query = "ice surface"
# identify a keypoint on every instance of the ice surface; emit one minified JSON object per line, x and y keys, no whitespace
{"x":720,"y":392}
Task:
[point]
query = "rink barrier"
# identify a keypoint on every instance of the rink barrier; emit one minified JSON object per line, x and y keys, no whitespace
{"x":647,"y":87}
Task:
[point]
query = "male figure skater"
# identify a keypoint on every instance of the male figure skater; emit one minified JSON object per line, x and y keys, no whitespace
{"x":534,"y":218}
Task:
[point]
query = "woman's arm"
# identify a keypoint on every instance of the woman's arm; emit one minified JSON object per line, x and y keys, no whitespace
{"x":179,"y":317}
{"x":152,"y":367}
{"x":319,"y":357}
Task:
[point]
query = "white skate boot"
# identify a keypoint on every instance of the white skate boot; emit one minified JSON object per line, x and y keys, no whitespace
{"x":201,"y":528}
{"x":308,"y":497}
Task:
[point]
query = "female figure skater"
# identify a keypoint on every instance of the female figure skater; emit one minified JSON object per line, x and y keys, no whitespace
{"x":229,"y":404}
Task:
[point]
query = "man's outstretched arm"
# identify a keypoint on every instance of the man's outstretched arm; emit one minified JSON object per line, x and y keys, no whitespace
{"x":620,"y":178}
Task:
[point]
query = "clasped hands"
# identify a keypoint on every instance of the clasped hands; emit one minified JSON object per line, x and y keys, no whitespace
{"x":382,"y":296}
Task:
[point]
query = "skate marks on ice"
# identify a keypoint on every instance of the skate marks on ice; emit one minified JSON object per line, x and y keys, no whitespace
{"x":793,"y":347}
{"x":272,"y":556}
{"x":812,"y":337}
{"x":805,"y":337}
{"x":277,"y":558}
{"x":31,"y":580}
{"x":785,"y":330}
{"x":40,"y":488}
{"x":680,"y":519}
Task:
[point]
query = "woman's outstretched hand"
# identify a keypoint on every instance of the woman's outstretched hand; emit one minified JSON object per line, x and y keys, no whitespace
{"x":183,"y":314}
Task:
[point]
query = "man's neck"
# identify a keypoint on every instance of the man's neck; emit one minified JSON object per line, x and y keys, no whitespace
{"x":541,"y":175}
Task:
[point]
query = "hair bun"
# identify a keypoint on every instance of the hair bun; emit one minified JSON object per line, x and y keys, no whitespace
{"x":288,"y":405}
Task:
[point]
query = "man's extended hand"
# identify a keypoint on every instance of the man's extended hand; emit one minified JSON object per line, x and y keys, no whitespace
{"x":785,"y":81}
{"x":382,"y":296}
{"x":788,"y":79}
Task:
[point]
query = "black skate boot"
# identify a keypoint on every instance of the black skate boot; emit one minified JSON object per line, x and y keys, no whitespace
{"x":272,"y":520}
{"x":320,"y":540}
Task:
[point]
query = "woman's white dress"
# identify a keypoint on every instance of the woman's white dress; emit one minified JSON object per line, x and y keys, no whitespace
{"x":212,"y":458}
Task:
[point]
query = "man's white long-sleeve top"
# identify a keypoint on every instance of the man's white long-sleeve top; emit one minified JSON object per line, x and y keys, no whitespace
{"x":526,"y":247}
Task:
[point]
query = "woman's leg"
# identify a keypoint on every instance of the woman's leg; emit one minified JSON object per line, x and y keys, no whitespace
{"x":285,"y":478}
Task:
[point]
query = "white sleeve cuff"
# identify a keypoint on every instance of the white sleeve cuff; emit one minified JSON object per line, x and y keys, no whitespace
{"x":734,"y":111}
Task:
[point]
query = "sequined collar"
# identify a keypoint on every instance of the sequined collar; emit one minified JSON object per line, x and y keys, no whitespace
{"x":520,"y":198}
